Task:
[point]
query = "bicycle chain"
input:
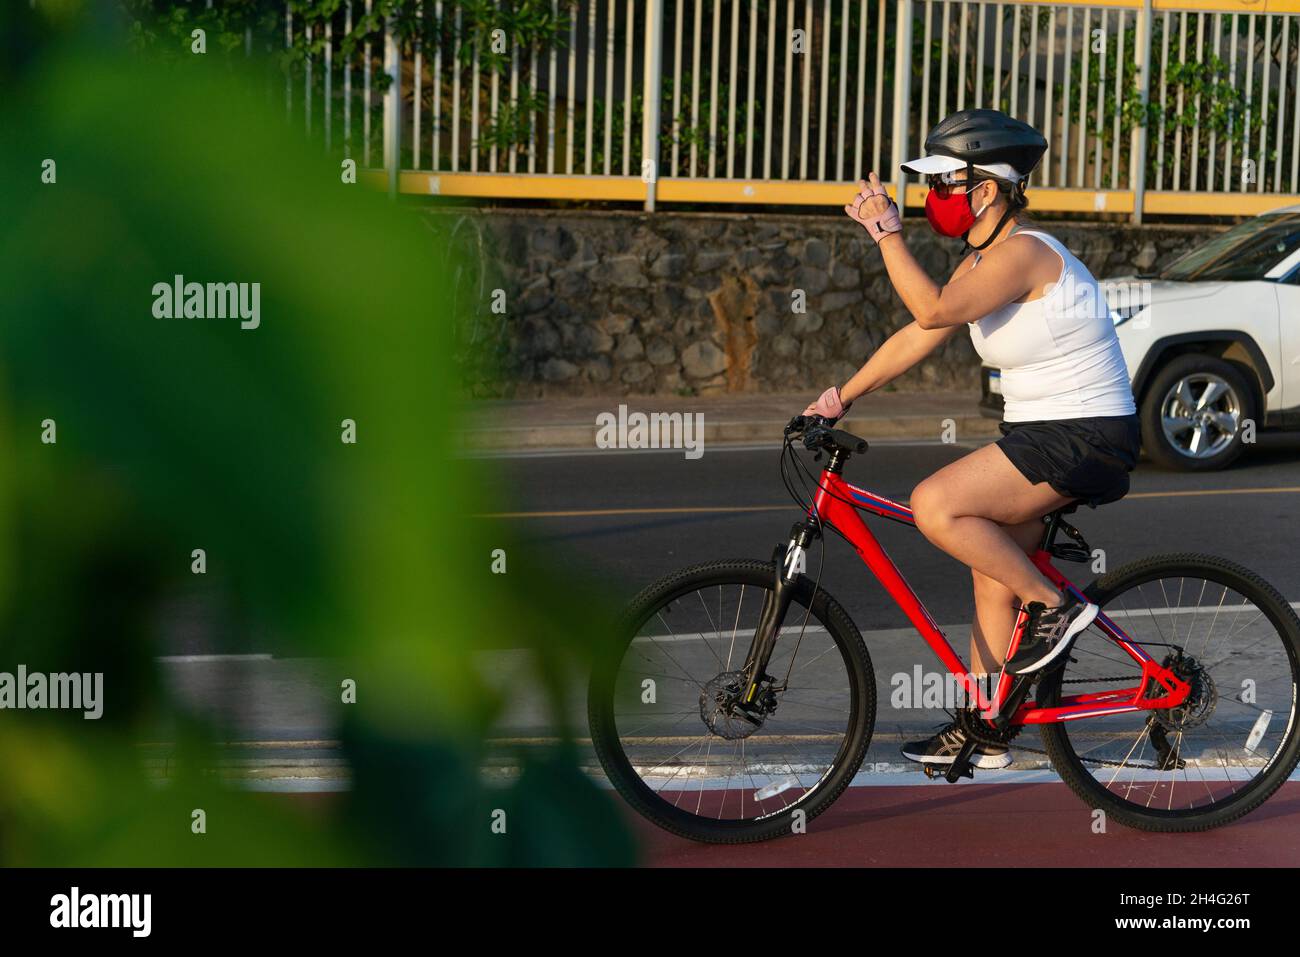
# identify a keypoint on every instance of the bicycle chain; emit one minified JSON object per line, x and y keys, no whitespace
{"x":974,"y":729}
{"x":1100,"y":761}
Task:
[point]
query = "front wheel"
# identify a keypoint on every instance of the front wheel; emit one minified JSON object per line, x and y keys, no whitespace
{"x":1230,"y":744}
{"x":681,"y":747}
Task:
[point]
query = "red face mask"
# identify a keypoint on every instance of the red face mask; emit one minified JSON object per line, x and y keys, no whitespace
{"x":950,"y":215}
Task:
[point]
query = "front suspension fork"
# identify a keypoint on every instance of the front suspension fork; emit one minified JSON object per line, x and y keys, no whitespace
{"x":789,"y":560}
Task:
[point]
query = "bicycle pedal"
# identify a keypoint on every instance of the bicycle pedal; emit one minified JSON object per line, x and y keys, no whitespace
{"x":933,"y":771}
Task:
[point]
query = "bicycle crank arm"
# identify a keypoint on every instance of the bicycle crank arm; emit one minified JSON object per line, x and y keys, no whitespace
{"x":960,"y":766}
{"x":1020,"y":685}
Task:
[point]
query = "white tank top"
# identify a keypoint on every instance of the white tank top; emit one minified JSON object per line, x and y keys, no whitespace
{"x":1059,"y":355}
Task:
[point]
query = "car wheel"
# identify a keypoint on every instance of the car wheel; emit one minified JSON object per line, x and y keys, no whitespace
{"x":1195,"y":413}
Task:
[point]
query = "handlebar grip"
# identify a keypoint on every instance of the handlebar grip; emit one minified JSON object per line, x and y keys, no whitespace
{"x":817,"y":434}
{"x":848,"y":441}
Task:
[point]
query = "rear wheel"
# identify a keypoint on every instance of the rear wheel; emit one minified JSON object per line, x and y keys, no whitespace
{"x":665,"y":714}
{"x":1236,"y":641}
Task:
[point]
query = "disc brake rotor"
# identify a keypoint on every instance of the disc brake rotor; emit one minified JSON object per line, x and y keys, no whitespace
{"x":1201,"y":699}
{"x":720,"y":707}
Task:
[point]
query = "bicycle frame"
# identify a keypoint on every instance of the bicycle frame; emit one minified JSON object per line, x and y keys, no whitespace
{"x":831,"y":506}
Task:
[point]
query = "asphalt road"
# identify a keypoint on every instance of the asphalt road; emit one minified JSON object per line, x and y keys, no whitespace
{"x":622,"y":519}
{"x":625,"y":518}
{"x":630,"y":517}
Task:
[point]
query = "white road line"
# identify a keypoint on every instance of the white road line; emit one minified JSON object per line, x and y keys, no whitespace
{"x":896,"y":776}
{"x":911,"y":775}
{"x":297,"y":785}
{"x":1183,"y":610}
{"x":774,"y":447}
{"x":746,"y":633}
{"x":790,"y":629}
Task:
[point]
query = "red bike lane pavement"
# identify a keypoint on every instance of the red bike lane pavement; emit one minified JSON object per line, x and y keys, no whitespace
{"x":990,"y":825}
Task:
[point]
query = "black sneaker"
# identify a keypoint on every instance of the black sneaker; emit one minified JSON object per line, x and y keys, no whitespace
{"x":942,"y":748}
{"x":1048,"y":633}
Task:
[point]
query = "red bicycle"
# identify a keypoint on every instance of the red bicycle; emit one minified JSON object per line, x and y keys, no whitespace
{"x":740,"y":695}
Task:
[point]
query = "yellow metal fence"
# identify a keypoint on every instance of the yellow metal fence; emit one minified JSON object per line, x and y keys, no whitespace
{"x":1150,"y":107}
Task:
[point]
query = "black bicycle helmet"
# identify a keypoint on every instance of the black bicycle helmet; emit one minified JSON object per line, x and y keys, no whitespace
{"x":985,"y":137}
{"x":1000,"y":146}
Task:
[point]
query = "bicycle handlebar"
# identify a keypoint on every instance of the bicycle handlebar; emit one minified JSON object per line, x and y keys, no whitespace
{"x":817,"y":435}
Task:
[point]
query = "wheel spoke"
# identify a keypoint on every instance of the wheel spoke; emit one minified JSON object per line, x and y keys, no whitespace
{"x":1225,"y":422}
{"x":692,"y":744}
{"x":1214,"y":391}
{"x":1221,"y":739}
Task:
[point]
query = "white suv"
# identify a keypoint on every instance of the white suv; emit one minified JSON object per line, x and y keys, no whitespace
{"x":1212,"y":343}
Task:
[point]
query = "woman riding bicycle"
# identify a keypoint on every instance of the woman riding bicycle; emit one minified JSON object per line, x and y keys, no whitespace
{"x":1070,"y":429}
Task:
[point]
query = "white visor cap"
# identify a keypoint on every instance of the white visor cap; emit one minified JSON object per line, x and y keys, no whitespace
{"x":933,"y":164}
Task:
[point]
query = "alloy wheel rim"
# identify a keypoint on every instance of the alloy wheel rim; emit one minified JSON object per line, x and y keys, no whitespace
{"x":1200,"y":415}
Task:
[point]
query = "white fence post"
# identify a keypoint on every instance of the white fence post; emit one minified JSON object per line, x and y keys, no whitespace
{"x":1137,"y":163}
{"x":650,"y":121}
{"x":288,"y":73}
{"x":392,"y":107}
{"x":902,"y":98}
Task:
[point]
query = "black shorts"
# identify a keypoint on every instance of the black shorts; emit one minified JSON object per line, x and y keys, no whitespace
{"x":1086,"y":459}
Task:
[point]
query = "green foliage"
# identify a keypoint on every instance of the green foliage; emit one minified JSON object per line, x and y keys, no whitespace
{"x":514,"y":126}
{"x":164,"y":27}
{"x":496,"y":30}
{"x":501,"y":37}
{"x":1211,"y":104}
{"x":182,"y":433}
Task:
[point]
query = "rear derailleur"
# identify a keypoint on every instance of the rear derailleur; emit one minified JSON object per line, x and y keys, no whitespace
{"x":1195,"y":710}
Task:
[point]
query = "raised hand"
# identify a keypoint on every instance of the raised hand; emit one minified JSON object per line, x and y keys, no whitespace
{"x":873,"y":208}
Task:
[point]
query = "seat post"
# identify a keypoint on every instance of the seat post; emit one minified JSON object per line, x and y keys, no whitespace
{"x":1052,"y":523}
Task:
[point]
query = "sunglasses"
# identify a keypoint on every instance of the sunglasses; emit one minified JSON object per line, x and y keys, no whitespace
{"x":944,"y":185}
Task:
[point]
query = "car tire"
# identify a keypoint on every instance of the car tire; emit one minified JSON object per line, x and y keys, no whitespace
{"x":1189,"y":376}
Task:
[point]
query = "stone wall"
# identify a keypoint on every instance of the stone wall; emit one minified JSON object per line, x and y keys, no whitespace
{"x":625,"y":303}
